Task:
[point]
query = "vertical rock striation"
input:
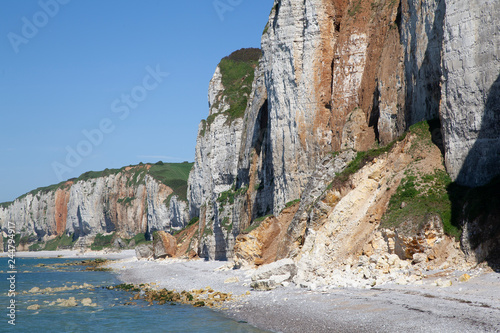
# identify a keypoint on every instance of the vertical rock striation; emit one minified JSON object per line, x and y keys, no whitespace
{"x":107,"y":204}
{"x":343,"y":76}
{"x":128,"y":202}
{"x":298,"y":51}
{"x":470,"y":111}
{"x":42,"y":213}
{"x":213,"y":179}
{"x":422,"y":38}
{"x":163,"y":206}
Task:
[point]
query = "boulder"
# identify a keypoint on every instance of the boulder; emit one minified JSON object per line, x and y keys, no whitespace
{"x":233,"y":279}
{"x":280,"y":267}
{"x":419,"y":258}
{"x":144,"y":251}
{"x":443,"y":283}
{"x":119,"y":243}
{"x":279,"y":279}
{"x":70,"y":302}
{"x":464,"y":278}
{"x":263,"y":285}
{"x":192,"y":254}
{"x":87,"y":302}
{"x":164,"y":245}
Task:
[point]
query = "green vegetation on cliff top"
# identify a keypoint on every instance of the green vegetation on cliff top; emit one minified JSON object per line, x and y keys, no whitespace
{"x":173,"y":175}
{"x":237,"y":71}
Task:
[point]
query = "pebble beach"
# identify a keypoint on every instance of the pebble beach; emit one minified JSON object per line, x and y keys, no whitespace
{"x":472,"y":306}
{"x":430,"y":306}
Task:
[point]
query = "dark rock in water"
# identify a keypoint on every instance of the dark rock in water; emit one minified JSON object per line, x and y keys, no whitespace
{"x":144,"y":251}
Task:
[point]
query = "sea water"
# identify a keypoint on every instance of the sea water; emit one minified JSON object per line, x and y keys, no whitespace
{"x":110,"y":314}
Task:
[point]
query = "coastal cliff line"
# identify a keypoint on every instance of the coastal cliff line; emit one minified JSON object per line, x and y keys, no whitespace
{"x":132,"y":200}
{"x":362,"y":139}
{"x":337,"y":82}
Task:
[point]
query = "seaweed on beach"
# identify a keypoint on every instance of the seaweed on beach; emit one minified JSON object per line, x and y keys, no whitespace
{"x":196,"y":298}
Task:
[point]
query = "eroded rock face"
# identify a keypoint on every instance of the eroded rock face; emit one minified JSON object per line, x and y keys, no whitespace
{"x":470,"y":110}
{"x":406,"y":244}
{"x":217,"y":146}
{"x":294,"y":65}
{"x":106,"y":204}
{"x":215,"y":169}
{"x":260,"y":246}
{"x":116,"y":202}
{"x":225,"y":167}
{"x":164,"y":245}
{"x":163,"y":206}
{"x":43,"y":214}
{"x":421,"y":40}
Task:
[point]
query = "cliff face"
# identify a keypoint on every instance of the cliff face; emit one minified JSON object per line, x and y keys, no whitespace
{"x":339,"y":76}
{"x":342,"y":75}
{"x":316,"y":117}
{"x":43,"y":214}
{"x":129,"y":201}
{"x":218,"y":143}
{"x":470,"y":110}
{"x":212,"y":182}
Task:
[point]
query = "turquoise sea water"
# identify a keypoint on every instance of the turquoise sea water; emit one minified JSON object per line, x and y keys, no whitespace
{"x":109,"y":315}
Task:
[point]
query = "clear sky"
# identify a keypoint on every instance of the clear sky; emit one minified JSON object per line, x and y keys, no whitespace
{"x":94,"y":84}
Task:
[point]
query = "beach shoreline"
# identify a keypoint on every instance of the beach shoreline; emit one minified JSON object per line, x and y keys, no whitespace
{"x":472,"y":306}
{"x":71,"y":254}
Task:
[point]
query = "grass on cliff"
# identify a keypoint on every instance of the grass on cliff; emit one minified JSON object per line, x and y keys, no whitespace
{"x":237,"y":72}
{"x":174,"y":175}
{"x":139,"y":239}
{"x":102,"y":241}
{"x":255,"y":224}
{"x":227,"y":224}
{"x":436,"y":194}
{"x":418,"y":197}
{"x":46,"y":189}
{"x":355,"y":7}
{"x":421,"y":130}
{"x":6,"y":204}
{"x":60,"y":242}
{"x":228,"y":197}
{"x":362,"y":158}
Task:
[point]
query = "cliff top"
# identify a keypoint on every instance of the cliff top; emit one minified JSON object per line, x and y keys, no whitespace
{"x":174,"y":175}
{"x":237,"y":74}
{"x":245,"y":55}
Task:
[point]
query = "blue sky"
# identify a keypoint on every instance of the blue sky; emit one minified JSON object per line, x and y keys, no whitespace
{"x":84,"y":83}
